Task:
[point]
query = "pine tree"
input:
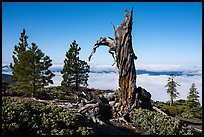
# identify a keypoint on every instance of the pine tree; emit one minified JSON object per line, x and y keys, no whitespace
{"x":30,"y":68}
{"x":20,"y":66}
{"x":171,"y":88}
{"x":40,"y":75}
{"x":193,"y":103}
{"x":193,"y":94}
{"x":75,"y":71}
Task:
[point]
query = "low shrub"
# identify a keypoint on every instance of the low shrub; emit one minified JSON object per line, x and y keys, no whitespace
{"x":50,"y":93}
{"x":98,"y":92}
{"x":186,"y":115}
{"x":159,"y":103}
{"x":4,"y":87}
{"x":193,"y":112}
{"x":154,"y":123}
{"x":28,"y":117}
{"x":180,"y":102}
{"x":173,"y":110}
{"x":117,"y":95}
{"x":13,"y":92}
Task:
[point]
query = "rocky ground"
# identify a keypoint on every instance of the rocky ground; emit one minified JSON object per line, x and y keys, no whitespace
{"x":194,"y":124}
{"x":98,"y":109}
{"x":118,"y":127}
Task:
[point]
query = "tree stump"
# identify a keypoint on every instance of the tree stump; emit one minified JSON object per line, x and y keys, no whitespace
{"x":121,"y":49}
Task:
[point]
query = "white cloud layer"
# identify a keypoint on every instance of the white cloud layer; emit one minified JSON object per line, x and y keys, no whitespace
{"x":154,"y":84}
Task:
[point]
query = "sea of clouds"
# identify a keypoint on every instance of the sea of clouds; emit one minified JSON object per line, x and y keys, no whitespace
{"x":106,"y":77}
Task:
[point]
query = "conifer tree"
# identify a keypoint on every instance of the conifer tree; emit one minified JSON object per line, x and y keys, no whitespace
{"x":193,"y":103}
{"x":75,"y":71}
{"x":171,"y":88}
{"x":193,"y":94}
{"x":40,"y":75}
{"x":20,"y":65}
{"x":30,"y":68}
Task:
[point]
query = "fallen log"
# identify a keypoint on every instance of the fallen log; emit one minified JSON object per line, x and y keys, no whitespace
{"x":159,"y":110}
{"x":86,"y":108}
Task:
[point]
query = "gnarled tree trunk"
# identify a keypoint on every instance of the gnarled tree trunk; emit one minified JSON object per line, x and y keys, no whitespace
{"x":121,"y":46}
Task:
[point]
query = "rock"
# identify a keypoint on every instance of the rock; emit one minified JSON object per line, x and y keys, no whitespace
{"x":112,"y":103}
{"x":109,"y":96}
{"x":145,"y":97}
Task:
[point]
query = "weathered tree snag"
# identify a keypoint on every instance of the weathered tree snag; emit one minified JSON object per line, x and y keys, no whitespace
{"x":105,"y":42}
{"x":121,"y":45}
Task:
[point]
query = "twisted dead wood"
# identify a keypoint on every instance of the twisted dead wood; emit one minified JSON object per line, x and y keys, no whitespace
{"x":121,"y":49}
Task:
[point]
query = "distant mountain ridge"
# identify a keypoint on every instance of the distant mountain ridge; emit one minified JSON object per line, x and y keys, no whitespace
{"x":57,"y":69}
{"x":6,"y":68}
{"x":6,"y":78}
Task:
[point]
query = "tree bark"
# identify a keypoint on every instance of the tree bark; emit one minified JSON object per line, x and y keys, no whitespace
{"x":125,"y":61}
{"x":121,"y":45}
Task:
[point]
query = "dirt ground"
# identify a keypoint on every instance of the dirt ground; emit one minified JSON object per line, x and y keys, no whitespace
{"x":118,"y":127}
{"x":122,"y":127}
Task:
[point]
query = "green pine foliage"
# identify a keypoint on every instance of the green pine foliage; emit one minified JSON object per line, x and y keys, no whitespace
{"x":30,"y":68}
{"x":171,"y":88}
{"x":75,"y":71}
{"x":193,"y":106}
{"x":39,"y":68}
{"x":193,"y":95}
{"x":19,"y":67}
{"x":28,"y":117}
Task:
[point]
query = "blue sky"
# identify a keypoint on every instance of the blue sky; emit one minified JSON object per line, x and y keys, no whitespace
{"x":163,"y":33}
